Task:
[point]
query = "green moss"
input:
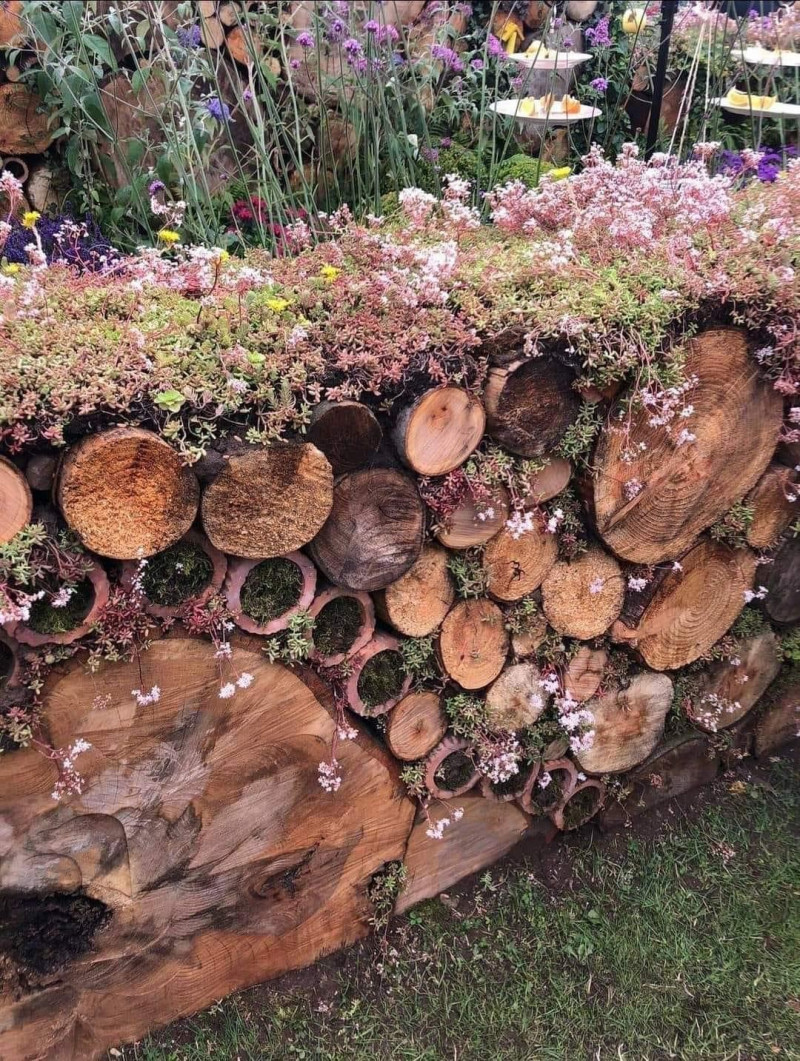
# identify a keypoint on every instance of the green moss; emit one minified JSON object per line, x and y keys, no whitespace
{"x":511,"y":787}
{"x":270,"y":589}
{"x":544,"y":799}
{"x":176,"y":575}
{"x":337,"y":625}
{"x":381,"y":678}
{"x":45,"y":619}
{"x":581,"y":807}
{"x":522,"y":168}
{"x":455,"y":771}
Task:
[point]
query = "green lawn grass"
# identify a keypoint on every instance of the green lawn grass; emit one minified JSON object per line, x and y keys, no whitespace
{"x":683,"y":945}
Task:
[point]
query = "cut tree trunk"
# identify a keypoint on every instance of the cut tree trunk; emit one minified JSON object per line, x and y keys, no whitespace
{"x":126,"y":494}
{"x":469,"y":525}
{"x":473,"y":643}
{"x":439,"y":787}
{"x":517,"y":698}
{"x":439,"y":431}
{"x":539,"y":799}
{"x":244,"y":47}
{"x":380,"y":643}
{"x":780,"y":722}
{"x":16,"y":502}
{"x":693,"y":607}
{"x":40,"y":471}
{"x":549,"y":482}
{"x":530,"y":405}
{"x":418,"y":601}
{"x":374,"y":532}
{"x":26,"y":635}
{"x":676,"y":766}
{"x":774,"y":502}
{"x":485,"y":832}
{"x":685,"y":488}
{"x":12,"y":31}
{"x":347,"y":433}
{"x":628,"y":724}
{"x":219,"y":567}
{"x":727,"y":692}
{"x":365,"y":631}
{"x":238,"y":570}
{"x":25,"y":125}
{"x":582,"y":598}
{"x":229,"y":14}
{"x":584,"y":673}
{"x":268,"y":502}
{"x":415,"y":726}
{"x":585,"y":800}
{"x":781,"y":579}
{"x":212,"y":32}
{"x":516,"y":566}
{"x":203,"y":829}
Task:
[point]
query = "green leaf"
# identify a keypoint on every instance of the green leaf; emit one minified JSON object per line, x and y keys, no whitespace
{"x":170,"y":400}
{"x":139,"y":79}
{"x":101,"y":48}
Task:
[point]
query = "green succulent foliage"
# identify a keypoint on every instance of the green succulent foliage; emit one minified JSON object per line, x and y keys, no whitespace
{"x":467,"y":715}
{"x":419,"y":659}
{"x":733,"y":527}
{"x":469,"y":574}
{"x":522,"y":168}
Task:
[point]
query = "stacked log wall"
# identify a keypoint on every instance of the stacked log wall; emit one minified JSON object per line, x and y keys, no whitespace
{"x":203,"y":852}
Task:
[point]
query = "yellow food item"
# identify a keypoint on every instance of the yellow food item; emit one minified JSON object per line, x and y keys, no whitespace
{"x":763,"y":103}
{"x":756,"y":103}
{"x":539,"y":49}
{"x":737,"y":98}
{"x":571,"y":106}
{"x":527,"y":107}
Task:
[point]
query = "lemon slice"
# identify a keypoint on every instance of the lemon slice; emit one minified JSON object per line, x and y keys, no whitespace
{"x":527,"y":107}
{"x":763,"y":103}
{"x":739,"y":99}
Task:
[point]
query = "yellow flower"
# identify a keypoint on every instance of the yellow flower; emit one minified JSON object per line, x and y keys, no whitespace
{"x":633,"y":21}
{"x":11,"y":270}
{"x":278,"y":305}
{"x":560,"y":173}
{"x":166,"y":235}
{"x":222,"y":256}
{"x":329,"y":273}
{"x":30,"y":217}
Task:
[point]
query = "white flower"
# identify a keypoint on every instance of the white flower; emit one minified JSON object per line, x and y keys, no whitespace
{"x":227,"y":691}
{"x":245,"y":680}
{"x":143,"y":699}
{"x":596,"y":585}
{"x":636,"y":584}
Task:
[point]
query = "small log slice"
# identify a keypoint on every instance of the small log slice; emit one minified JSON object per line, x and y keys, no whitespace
{"x":780,"y":722}
{"x":126,"y":493}
{"x":244,"y":47}
{"x":549,"y":482}
{"x":517,"y":698}
{"x":584,"y":673}
{"x":774,"y":503}
{"x":415,"y":726}
{"x":530,"y":405}
{"x":515,"y":566}
{"x":582,"y":598}
{"x":374,"y":532}
{"x":12,"y":31}
{"x":686,"y":487}
{"x":26,"y":128}
{"x":269,"y":502}
{"x":525,"y":641}
{"x":726,"y":685}
{"x":473,"y":643}
{"x":456,"y":746}
{"x":418,"y":601}
{"x":692,"y":608}
{"x":16,"y":502}
{"x":628,"y":724}
{"x":470,"y":525}
{"x":439,"y":431}
{"x":585,"y":800}
{"x":346,"y":432}
{"x":781,"y":579}
{"x":239,"y":569}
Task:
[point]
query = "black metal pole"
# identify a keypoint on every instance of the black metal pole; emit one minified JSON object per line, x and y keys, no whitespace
{"x":667,"y":18}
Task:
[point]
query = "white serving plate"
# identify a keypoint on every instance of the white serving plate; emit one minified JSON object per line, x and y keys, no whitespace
{"x":768,"y":57}
{"x":563,"y":61}
{"x":777,"y":110}
{"x":509,"y":109}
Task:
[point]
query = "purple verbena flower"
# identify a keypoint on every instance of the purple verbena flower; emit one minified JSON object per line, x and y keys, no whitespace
{"x":599,"y":35}
{"x":335,"y":30}
{"x":371,"y":26}
{"x":494,"y":46}
{"x":477,"y":64}
{"x":155,"y":186}
{"x":217,"y":109}
{"x":305,"y":39}
{"x":448,"y":57}
{"x":600,"y":85}
{"x":352,"y":46}
{"x":190,"y":37}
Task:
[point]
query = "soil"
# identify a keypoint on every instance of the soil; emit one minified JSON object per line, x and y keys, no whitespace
{"x":43,"y":933}
{"x":513,"y":786}
{"x":546,"y":798}
{"x":45,"y":619}
{"x":337,"y":626}
{"x":454,"y":771}
{"x":271,"y":589}
{"x":381,"y":678}
{"x":176,"y":575}
{"x":6,"y":663}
